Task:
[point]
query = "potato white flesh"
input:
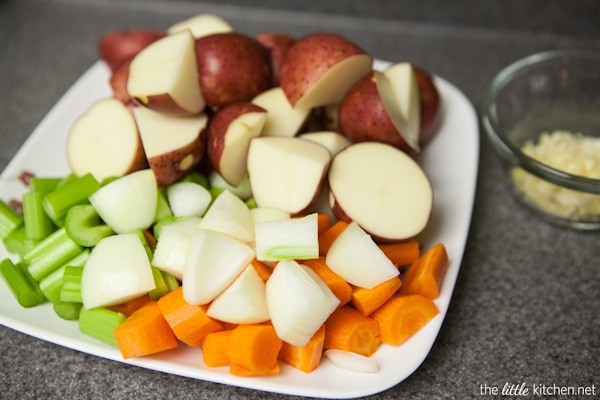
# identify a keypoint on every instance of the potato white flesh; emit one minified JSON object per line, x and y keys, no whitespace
{"x":399,"y":92}
{"x":91,"y":142}
{"x":282,"y":118}
{"x":299,"y":302}
{"x":356,"y":257}
{"x":243,"y":302}
{"x":287,"y":239}
{"x":213,"y":261}
{"x":332,"y":141}
{"x":286,"y":173}
{"x":201,"y":25}
{"x":381,"y":188}
{"x":128,"y":203}
{"x":116,"y":271}
{"x":267,"y":214}
{"x":167,"y":67}
{"x":228,"y":214}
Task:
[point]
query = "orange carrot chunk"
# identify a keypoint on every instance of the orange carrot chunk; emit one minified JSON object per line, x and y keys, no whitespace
{"x":340,"y":288}
{"x":368,"y":300}
{"x":402,"y":316}
{"x":425,"y":275}
{"x":402,"y":253}
{"x":262,"y":269}
{"x":327,"y":237}
{"x":349,"y":330}
{"x":145,"y":332}
{"x":189,"y":322}
{"x":253,"y":350}
{"x":131,"y":306}
{"x":214,"y":348}
{"x":322,"y":222}
{"x":305,"y":358}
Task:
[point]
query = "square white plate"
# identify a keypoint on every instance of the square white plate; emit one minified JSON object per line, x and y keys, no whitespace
{"x":450,"y":160}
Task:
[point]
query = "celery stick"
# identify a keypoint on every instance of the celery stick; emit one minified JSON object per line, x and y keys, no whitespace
{"x":50,"y":254}
{"x":142,"y":236}
{"x":71,"y":287}
{"x":196,"y":177}
{"x":161,"y":286}
{"x":100,"y":323}
{"x":76,"y":191}
{"x":170,"y":280}
{"x":162,"y":206}
{"x":9,"y":219}
{"x":67,"y":310}
{"x":52,"y":283}
{"x":21,"y":284}
{"x":44,"y":185}
{"x":251,"y":203}
{"x":84,"y":227}
{"x":14,"y":242}
{"x":38,"y":224}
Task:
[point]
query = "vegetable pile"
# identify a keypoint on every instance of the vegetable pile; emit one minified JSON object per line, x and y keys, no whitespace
{"x":261,"y":203}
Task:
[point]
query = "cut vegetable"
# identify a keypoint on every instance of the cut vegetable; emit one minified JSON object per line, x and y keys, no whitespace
{"x":295,"y":238}
{"x":117,"y":270}
{"x":128,"y":203}
{"x":299,"y":302}
{"x":212,"y":263}
{"x":368,"y":300}
{"x":352,"y":361}
{"x":75,"y":191}
{"x":305,"y":358}
{"x":100,"y":324}
{"x":188,"y":199}
{"x":9,"y":220}
{"x":356,"y":257}
{"x":83,"y":225}
{"x":402,"y":253}
{"x":38,"y":225}
{"x":426,"y":274}
{"x":339,"y":287}
{"x":50,"y":254}
{"x":172,"y":246}
{"x":254,"y":348}
{"x":347,"y":329}
{"x":214,"y":349}
{"x":228,"y":214}
{"x":23,"y":287}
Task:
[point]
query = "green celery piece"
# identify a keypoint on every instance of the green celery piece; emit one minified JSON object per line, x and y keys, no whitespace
{"x":100,"y":323}
{"x":67,"y":310}
{"x":163,"y":210}
{"x":290,"y":253}
{"x":161,"y":287}
{"x":50,"y":254}
{"x":44,"y":185}
{"x":15,"y":242}
{"x":51,"y":284}
{"x":196,"y":177}
{"x":21,"y":284}
{"x":75,"y":191}
{"x":71,"y":288}
{"x":38,"y":224}
{"x":84,"y":227}
{"x":251,"y":203}
{"x":142,"y":236}
{"x":9,"y":219}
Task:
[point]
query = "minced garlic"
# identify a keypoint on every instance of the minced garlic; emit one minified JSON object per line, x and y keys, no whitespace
{"x":569,"y":152}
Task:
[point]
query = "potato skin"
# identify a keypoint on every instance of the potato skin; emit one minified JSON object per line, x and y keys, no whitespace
{"x":118,"y":82}
{"x":278,"y":44}
{"x":117,"y":46}
{"x":430,"y":105}
{"x":232,"y":67}
{"x":170,"y":167}
{"x":362,"y":116}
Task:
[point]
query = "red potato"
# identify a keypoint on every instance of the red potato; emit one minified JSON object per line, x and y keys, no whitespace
{"x":382,"y":188}
{"x":163,"y":76}
{"x":430,"y":105}
{"x":282,"y":118}
{"x":173,"y":145}
{"x":201,"y":25}
{"x":319,"y":68}
{"x":278,"y":44}
{"x":104,"y":141}
{"x":286,"y":172}
{"x":118,"y":46}
{"x":232,"y":67}
{"x":118,"y":83}
{"x":228,"y":138}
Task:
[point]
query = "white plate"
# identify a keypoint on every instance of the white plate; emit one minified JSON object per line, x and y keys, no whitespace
{"x":450,"y":160}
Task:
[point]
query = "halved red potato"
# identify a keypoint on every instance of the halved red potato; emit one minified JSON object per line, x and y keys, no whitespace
{"x":430,"y":105}
{"x":282,"y":118}
{"x":201,"y":25}
{"x":117,"y":46}
{"x":278,"y":44}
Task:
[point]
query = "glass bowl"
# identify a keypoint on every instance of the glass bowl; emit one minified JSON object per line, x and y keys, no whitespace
{"x":542,"y":116}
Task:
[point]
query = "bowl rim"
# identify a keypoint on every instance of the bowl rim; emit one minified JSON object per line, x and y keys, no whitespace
{"x":513,"y":153}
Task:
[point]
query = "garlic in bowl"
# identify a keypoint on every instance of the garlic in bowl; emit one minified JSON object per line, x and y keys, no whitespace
{"x":542,"y":115}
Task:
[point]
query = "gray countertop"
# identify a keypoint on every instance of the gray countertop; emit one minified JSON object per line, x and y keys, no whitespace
{"x":526,"y":307}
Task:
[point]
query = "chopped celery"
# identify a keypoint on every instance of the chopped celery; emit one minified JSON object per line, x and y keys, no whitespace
{"x":84,"y":227}
{"x":162,"y":206}
{"x":75,"y":191}
{"x":67,"y":310}
{"x":71,"y":287}
{"x":9,"y":219}
{"x":44,"y":185}
{"x":164,"y":282}
{"x":52,"y":283}
{"x":15,"y":242}
{"x":141,"y":234}
{"x":38,"y":224}
{"x":100,"y":323}
{"x":50,"y":254}
{"x":196,"y":177}
{"x":21,"y":284}
{"x":251,"y":203}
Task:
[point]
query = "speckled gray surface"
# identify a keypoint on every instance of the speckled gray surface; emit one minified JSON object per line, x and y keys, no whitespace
{"x":526,"y":308}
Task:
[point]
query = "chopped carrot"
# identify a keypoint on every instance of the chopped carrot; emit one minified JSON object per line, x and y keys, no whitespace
{"x":305,"y":358}
{"x":254,"y":348}
{"x":402,"y":253}
{"x":214,"y":348}
{"x":322,"y":222}
{"x":340,"y":288}
{"x":129,"y":307}
{"x":189,"y":322}
{"x":327,"y":237}
{"x":368,"y":300}
{"x":349,"y":330}
{"x":425,"y":275}
{"x":263,"y":270}
{"x":402,"y":316}
{"x":145,"y":332}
